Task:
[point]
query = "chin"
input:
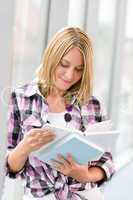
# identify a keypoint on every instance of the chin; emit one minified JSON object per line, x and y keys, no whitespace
{"x":63,"y":87}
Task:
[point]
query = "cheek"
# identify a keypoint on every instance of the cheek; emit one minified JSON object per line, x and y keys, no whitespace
{"x":78,"y":76}
{"x":59,"y":72}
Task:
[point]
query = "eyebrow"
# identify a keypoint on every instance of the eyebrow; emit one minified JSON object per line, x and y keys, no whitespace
{"x":63,"y":59}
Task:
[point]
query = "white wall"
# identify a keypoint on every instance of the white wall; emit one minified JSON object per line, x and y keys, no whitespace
{"x":6,"y":22}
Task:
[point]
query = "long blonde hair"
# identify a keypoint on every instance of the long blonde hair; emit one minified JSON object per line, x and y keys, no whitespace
{"x":61,"y":43}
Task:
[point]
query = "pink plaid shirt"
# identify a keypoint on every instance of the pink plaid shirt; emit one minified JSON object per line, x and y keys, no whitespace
{"x":27,"y":109}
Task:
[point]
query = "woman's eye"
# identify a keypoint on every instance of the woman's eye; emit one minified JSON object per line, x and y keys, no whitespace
{"x":63,"y":65}
{"x":79,"y":69}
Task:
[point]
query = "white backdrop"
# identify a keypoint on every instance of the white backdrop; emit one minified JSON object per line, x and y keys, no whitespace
{"x":108,"y":23}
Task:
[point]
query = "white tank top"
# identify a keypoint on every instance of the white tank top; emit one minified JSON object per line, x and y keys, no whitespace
{"x":57,"y":119}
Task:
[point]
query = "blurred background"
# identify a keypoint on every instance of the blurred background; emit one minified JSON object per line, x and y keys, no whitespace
{"x":108,"y":23}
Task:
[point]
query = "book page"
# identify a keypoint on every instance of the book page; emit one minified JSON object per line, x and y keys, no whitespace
{"x":103,"y":134}
{"x":100,"y":134}
{"x":99,"y":127}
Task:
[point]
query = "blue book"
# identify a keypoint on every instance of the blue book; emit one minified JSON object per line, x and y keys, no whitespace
{"x":81,"y":149}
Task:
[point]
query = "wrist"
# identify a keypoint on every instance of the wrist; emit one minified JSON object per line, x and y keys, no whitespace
{"x":95,"y":174}
{"x":17,"y":158}
{"x":23,"y":148}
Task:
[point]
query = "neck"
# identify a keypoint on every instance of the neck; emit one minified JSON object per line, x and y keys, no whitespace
{"x":56,"y":93}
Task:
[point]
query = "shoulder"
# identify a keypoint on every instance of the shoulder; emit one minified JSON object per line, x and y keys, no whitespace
{"x":22,"y":95}
{"x":94,"y":109}
{"x":92,"y":102}
{"x":25,"y":90}
{"x":92,"y":106}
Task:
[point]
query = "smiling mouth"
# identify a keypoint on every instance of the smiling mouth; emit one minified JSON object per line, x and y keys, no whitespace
{"x":67,"y":82}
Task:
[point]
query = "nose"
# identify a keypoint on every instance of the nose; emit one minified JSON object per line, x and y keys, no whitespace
{"x":69,"y":74}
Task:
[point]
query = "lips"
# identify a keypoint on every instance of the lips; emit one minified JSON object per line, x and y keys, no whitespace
{"x":66,"y":82}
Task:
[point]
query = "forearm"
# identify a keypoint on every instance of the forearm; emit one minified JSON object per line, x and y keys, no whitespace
{"x":17,"y":157}
{"x":95,"y":174}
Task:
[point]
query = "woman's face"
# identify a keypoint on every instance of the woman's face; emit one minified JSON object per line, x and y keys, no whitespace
{"x":70,"y":70}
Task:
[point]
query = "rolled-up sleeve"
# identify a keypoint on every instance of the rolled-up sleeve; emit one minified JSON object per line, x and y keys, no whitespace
{"x":106,"y":164}
{"x":14,"y":133}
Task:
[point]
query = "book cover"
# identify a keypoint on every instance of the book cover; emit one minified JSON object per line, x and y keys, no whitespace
{"x":81,"y":149}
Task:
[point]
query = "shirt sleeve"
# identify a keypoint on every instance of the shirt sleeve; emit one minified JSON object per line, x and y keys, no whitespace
{"x":106,"y":164}
{"x":14,"y":133}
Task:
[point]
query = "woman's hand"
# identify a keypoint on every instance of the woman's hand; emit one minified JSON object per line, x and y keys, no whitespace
{"x":32,"y":141}
{"x":69,"y":167}
{"x":81,"y":173}
{"x":36,"y":138}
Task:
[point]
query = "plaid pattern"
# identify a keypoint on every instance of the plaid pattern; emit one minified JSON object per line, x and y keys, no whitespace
{"x":28,"y":108}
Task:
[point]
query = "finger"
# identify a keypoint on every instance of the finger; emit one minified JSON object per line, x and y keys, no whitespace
{"x":34,"y":132}
{"x":57,"y":165}
{"x":39,"y":139}
{"x":70,"y":159}
{"x":41,"y":134}
{"x":34,"y":136}
{"x":63,"y":160}
{"x":54,"y":161}
{"x":48,"y":134}
{"x":48,"y":130}
{"x":42,"y":142}
{"x":40,"y":130}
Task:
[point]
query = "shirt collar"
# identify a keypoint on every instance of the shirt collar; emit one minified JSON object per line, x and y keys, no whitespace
{"x":33,"y":89}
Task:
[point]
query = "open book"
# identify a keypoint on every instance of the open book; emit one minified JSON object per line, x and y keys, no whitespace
{"x":83,"y":147}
